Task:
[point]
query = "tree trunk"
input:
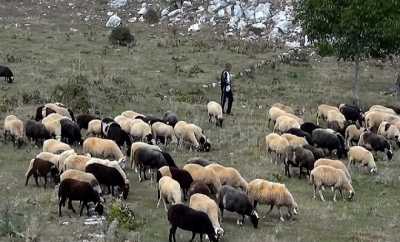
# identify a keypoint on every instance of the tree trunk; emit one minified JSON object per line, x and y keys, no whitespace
{"x":356,"y":80}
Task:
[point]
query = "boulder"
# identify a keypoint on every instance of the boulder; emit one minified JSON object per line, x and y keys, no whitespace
{"x":113,"y":22}
{"x":118,"y":3}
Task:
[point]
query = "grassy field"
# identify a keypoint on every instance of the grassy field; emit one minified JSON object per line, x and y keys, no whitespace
{"x":158,"y":75}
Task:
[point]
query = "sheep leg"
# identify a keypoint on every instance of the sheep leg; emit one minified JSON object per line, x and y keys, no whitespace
{"x":36,"y":179}
{"x":201,"y":237}
{"x":321,"y":196}
{"x":334,"y":195}
{"x":193,"y":235}
{"x":82,"y":207}
{"x":341,"y":193}
{"x":165,"y":205}
{"x":172,"y":233}
{"x":315,"y":191}
{"x":158,"y":203}
{"x":45,"y":181}
{"x":70,"y":206}
{"x":61,"y":204}
{"x":255,"y":204}
{"x":281,"y":215}
{"x":27,"y":177}
{"x":270,"y":208}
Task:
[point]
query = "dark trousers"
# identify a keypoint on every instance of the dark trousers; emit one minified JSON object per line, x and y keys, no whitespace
{"x":227,"y":96}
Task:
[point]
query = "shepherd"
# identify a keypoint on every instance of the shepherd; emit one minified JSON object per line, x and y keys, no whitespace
{"x":226,"y":88}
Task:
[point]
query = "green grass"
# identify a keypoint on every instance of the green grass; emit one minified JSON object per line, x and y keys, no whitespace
{"x":155,"y":76}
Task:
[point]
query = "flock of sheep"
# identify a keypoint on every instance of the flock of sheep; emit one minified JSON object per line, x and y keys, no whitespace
{"x":133,"y":141}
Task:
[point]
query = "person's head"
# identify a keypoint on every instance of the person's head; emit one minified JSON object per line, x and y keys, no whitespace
{"x":228,"y":67}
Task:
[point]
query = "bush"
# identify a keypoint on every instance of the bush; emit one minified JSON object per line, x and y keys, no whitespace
{"x":123,"y":214}
{"x":122,"y":36}
{"x":74,"y":94}
{"x":151,"y":16}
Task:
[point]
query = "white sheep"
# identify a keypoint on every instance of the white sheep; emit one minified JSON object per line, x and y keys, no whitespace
{"x":352,"y":134}
{"x":276,"y":144}
{"x":206,"y":176}
{"x":274,"y":194}
{"x":334,"y":116}
{"x":389,"y":131}
{"x":381,"y":108}
{"x":124,"y":122}
{"x":229,"y":176}
{"x":94,"y":128}
{"x":190,"y":133}
{"x":283,"y":107}
{"x":294,"y":140}
{"x":169,"y":191}
{"x":55,"y":146}
{"x":358,"y":154}
{"x":205,"y":204}
{"x":214,"y":110}
{"x":104,"y":148}
{"x":330,"y":177}
{"x":14,"y":127}
{"x":163,"y":132}
{"x":323,"y":110}
{"x":131,"y":114}
{"x":284,"y":123}
{"x":333,"y":163}
{"x":58,"y":108}
{"x":76,"y":162}
{"x":141,"y":130}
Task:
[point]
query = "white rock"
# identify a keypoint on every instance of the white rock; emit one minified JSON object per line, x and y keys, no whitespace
{"x":143,"y":11}
{"x":186,"y":4}
{"x":211,"y":9}
{"x":249,"y":13}
{"x":220,"y":4}
{"x":237,"y":11}
{"x":283,"y":20}
{"x":141,"y":19}
{"x":164,"y":12}
{"x":144,"y":4}
{"x":221,"y":13}
{"x":118,"y":3}
{"x":109,"y":13}
{"x":132,"y":20}
{"x":259,"y":26}
{"x":241,"y":25}
{"x":113,"y":21}
{"x":233,"y":22}
{"x":228,"y":10}
{"x":200,"y":9}
{"x":175,"y":12}
{"x":194,"y":28}
{"x":262,"y":12}
{"x":292,"y":44}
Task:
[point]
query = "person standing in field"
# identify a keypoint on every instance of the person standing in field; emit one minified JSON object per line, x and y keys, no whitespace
{"x":226,"y":88}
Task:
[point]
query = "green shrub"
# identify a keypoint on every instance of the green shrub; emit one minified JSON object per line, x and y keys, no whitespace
{"x":151,"y":16}
{"x":123,"y":214}
{"x":122,"y":36}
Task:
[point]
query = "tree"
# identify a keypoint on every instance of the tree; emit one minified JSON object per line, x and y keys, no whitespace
{"x":352,"y":29}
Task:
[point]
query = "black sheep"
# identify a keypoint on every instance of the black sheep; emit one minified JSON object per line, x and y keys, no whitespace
{"x":116,"y":133}
{"x":300,"y":133}
{"x":70,"y":132}
{"x":149,"y":119}
{"x":6,"y":73}
{"x":35,"y":131}
{"x":317,"y":152}
{"x":352,"y":113}
{"x":170,"y":118}
{"x":39,"y":112}
{"x":76,"y":190}
{"x":199,"y":187}
{"x":105,"y":122}
{"x":235,"y":200}
{"x":182,"y":176}
{"x":331,"y":140}
{"x":109,"y":176}
{"x":309,"y":127}
{"x":199,"y":161}
{"x":299,"y":157}
{"x":146,"y":158}
{"x":83,"y":120}
{"x":186,"y":218}
{"x":41,"y":168}
{"x":375,"y":142}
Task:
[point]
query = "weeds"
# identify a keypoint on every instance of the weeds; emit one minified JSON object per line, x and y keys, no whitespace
{"x":122,"y":36}
{"x":125,"y":216}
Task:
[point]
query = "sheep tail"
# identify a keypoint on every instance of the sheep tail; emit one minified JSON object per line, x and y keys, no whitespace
{"x":30,"y":167}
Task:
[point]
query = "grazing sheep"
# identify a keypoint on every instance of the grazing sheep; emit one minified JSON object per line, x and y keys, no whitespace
{"x":352,"y":113}
{"x":381,"y":108}
{"x":141,"y":131}
{"x":376,"y":143}
{"x":117,"y":134}
{"x":57,"y":160}
{"x":323,"y":110}
{"x":109,"y":173}
{"x":53,"y":125}
{"x":104,"y":148}
{"x":83,"y":120}
{"x":300,"y":133}
{"x":335,"y":164}
{"x":181,"y":176}
{"x":54,"y":146}
{"x":309,"y":127}
{"x":295,"y":140}
{"x":36,"y":131}
{"x":199,"y":187}
{"x":229,"y":176}
{"x":6,"y":72}
{"x":14,"y":128}
{"x":135,"y":146}
{"x":273,"y":194}
{"x":330,"y":177}
{"x":317,"y":152}
{"x":146,"y":158}
{"x":94,"y":128}
{"x":131,"y":114}
{"x":170,"y":118}
{"x":274,"y":113}
{"x":283,"y":107}
{"x":186,"y":218}
{"x":203,"y":203}
{"x":363,"y":156}
{"x":149,"y":119}
{"x":352,"y":134}
{"x":191,"y":134}
{"x":214,"y":110}
{"x":204,"y":175}
{"x":374,"y":118}
{"x":299,"y":157}
{"x":59,"y":109}
{"x":77,"y":162}
{"x":125,"y":123}
{"x":81,"y":191}
{"x":70,"y":132}
{"x":41,"y":168}
{"x":336,"y":121}
{"x":162,"y":132}
{"x":237,"y":201}
{"x":169,"y":191}
{"x":105,"y":122}
{"x":329,"y":139}
{"x":199,"y":161}
{"x":277,"y":145}
{"x":83,"y":177}
{"x":284,"y":123}
{"x":389,"y":131}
